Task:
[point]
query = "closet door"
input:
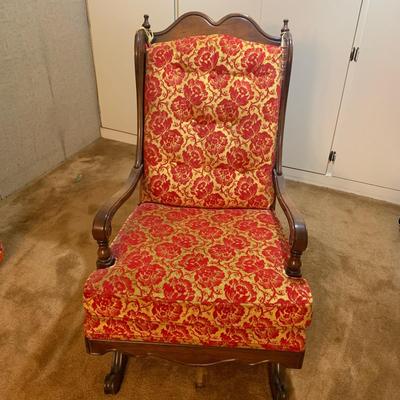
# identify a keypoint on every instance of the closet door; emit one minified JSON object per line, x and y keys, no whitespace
{"x":367,"y":139}
{"x":113,"y":25}
{"x":323,"y":33}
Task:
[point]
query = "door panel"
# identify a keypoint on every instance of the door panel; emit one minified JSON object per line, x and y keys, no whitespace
{"x":113,"y":25}
{"x":323,"y":33}
{"x":367,"y":139}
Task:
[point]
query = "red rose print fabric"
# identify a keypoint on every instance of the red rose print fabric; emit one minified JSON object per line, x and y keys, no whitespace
{"x":199,"y":276}
{"x":211,"y":113}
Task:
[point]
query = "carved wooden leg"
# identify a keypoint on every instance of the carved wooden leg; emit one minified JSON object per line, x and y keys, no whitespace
{"x":113,"y":380}
{"x":276,"y":374}
{"x":201,"y":377}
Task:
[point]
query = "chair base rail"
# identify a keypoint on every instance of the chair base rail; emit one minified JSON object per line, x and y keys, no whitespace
{"x":196,"y":355}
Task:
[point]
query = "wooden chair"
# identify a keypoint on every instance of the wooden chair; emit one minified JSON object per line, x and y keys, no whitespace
{"x":201,"y":272}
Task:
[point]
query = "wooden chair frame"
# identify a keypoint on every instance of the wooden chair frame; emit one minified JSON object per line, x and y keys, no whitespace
{"x":189,"y":24}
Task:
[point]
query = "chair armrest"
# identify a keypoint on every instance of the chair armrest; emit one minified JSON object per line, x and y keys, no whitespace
{"x":298,"y":238}
{"x":102,"y":228}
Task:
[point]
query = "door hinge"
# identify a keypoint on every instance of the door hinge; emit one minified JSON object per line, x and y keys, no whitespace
{"x":354,"y":54}
{"x":332,"y":156}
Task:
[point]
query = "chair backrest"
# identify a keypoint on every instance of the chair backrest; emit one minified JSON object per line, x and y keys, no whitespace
{"x":212,"y":113}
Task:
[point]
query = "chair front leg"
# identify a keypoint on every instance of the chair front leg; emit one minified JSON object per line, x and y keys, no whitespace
{"x":113,"y":380}
{"x":276,"y":381}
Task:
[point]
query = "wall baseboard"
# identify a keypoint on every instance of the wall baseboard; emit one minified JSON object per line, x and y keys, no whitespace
{"x":119,"y":136}
{"x":345,"y":185}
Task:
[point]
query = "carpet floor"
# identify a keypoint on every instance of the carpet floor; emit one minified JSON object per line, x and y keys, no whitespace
{"x":352,"y":264}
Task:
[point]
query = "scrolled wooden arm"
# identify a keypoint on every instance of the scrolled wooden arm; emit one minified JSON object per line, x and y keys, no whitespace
{"x":298,"y":238}
{"x":102,"y":228}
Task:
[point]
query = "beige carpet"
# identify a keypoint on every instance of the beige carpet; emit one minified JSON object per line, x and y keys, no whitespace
{"x":353,"y":265}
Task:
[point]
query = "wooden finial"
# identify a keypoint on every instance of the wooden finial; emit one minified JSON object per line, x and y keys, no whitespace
{"x":285,"y":27}
{"x":146,"y":23}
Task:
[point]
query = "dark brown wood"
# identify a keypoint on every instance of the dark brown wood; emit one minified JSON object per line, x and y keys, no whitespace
{"x":102,"y":228}
{"x":113,"y":380}
{"x":146,"y":23}
{"x":298,"y":237}
{"x":102,"y":224}
{"x":276,"y":375}
{"x":287,"y":46}
{"x":188,"y":25}
{"x":298,"y":233}
{"x":140,"y":68}
{"x":197,"y":23}
{"x":196,"y":356}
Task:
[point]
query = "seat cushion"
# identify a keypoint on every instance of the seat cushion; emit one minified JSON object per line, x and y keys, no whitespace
{"x":199,"y":276}
{"x":211,"y":113}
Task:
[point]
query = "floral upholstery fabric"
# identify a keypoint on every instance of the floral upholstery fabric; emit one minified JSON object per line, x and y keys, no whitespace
{"x":211,"y":113}
{"x":199,"y":276}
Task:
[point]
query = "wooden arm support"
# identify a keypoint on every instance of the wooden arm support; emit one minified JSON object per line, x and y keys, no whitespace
{"x":298,"y":238}
{"x":102,"y":228}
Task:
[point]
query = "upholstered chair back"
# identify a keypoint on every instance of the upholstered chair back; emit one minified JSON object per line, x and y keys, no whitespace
{"x":210,"y":122}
